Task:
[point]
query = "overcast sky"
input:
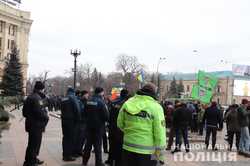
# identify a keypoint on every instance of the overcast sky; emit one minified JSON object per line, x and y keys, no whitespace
{"x":149,"y":29}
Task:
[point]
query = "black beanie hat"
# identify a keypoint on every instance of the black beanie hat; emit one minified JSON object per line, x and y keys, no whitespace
{"x":84,"y":92}
{"x":98,"y":90}
{"x":124,"y":93}
{"x":149,"y":88}
{"x":39,"y":85}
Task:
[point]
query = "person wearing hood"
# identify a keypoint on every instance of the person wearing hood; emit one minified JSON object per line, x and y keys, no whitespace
{"x":115,"y":134}
{"x":96,"y":114}
{"x":34,"y":110}
{"x":70,"y":115}
{"x":142,"y":121}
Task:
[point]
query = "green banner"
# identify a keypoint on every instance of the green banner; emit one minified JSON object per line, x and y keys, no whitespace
{"x":201,"y":94}
{"x":207,"y":81}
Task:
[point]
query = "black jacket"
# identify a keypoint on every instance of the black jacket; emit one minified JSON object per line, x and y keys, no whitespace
{"x":114,"y":111}
{"x":96,"y":113}
{"x":232,"y":120}
{"x":34,"y":110}
{"x":182,"y":117}
{"x":243,"y":117}
{"x":70,"y":109}
{"x":213,"y":117}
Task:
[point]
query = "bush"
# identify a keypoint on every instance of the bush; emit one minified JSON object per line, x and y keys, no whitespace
{"x":8,"y":101}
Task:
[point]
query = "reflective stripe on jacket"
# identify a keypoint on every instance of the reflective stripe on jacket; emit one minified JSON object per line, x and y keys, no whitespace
{"x":142,"y":121}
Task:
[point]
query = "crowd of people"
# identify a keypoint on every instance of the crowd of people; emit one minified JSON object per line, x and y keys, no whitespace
{"x":132,"y":129}
{"x":180,"y":117}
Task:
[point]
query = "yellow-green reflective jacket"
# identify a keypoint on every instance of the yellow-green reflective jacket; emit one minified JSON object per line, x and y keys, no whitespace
{"x":142,"y":121}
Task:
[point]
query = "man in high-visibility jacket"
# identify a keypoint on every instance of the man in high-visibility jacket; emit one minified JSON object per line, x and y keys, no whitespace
{"x":142,"y":121}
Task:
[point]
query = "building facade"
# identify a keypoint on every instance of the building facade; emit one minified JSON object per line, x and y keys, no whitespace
{"x":15,"y":27}
{"x":223,"y":94}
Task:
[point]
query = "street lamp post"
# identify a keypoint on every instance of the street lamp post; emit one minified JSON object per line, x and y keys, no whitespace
{"x":161,"y":59}
{"x":75,"y":53}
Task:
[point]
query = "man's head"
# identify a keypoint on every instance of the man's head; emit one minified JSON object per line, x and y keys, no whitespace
{"x":99,"y":91}
{"x":78,"y":93}
{"x":124,"y":93}
{"x":85,"y":94}
{"x":244,"y":102}
{"x":39,"y":86}
{"x":70,"y":91}
{"x":150,"y":89}
{"x":213,"y":104}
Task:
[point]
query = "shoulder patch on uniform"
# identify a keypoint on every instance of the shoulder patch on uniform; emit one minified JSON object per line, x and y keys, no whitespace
{"x":92,"y":103}
{"x":65,"y":99}
{"x":117,"y":106}
{"x":40,"y":102}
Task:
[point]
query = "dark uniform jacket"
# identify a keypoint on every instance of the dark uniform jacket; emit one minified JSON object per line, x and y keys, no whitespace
{"x":114,"y":111}
{"x":96,"y":113}
{"x":34,"y":110}
{"x":70,"y":108}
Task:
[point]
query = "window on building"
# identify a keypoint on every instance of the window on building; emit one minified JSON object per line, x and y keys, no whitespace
{"x":1,"y":26}
{"x":12,"y":44}
{"x":218,"y":101}
{"x":8,"y":56}
{"x":8,"y":45}
{"x":9,"y":29}
{"x":188,"y":88}
{"x":1,"y":55}
{"x":167,"y":88}
{"x":0,"y":43}
{"x":218,"y":89}
{"x":12,"y":30}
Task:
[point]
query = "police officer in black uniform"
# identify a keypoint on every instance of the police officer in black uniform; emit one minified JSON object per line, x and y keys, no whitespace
{"x":34,"y":110}
{"x":116,"y":136}
{"x":81,"y":126}
{"x":96,"y":115}
{"x":70,"y":115}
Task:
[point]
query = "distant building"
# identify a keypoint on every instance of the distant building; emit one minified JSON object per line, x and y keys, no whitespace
{"x":15,"y":27}
{"x":227,"y":92}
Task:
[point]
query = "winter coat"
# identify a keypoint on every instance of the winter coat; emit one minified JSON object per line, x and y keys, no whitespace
{"x":232,"y":120}
{"x":96,"y":113}
{"x":243,"y":117}
{"x":212,"y":117}
{"x":182,"y":117}
{"x":34,"y":110}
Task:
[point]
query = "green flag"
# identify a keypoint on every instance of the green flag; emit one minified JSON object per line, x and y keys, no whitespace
{"x":201,"y":94}
{"x":207,"y":81}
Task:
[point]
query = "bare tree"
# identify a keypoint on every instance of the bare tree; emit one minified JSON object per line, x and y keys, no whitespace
{"x":128,"y":64}
{"x":130,"y":67}
{"x":43,"y":77}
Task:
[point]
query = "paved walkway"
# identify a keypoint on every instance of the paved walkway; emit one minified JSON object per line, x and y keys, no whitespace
{"x":14,"y":142}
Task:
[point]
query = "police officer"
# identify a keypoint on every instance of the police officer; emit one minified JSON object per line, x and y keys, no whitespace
{"x":34,"y":110}
{"x":116,"y":136}
{"x":81,"y":126}
{"x":142,"y":121}
{"x":96,"y":115}
{"x":70,"y":114}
